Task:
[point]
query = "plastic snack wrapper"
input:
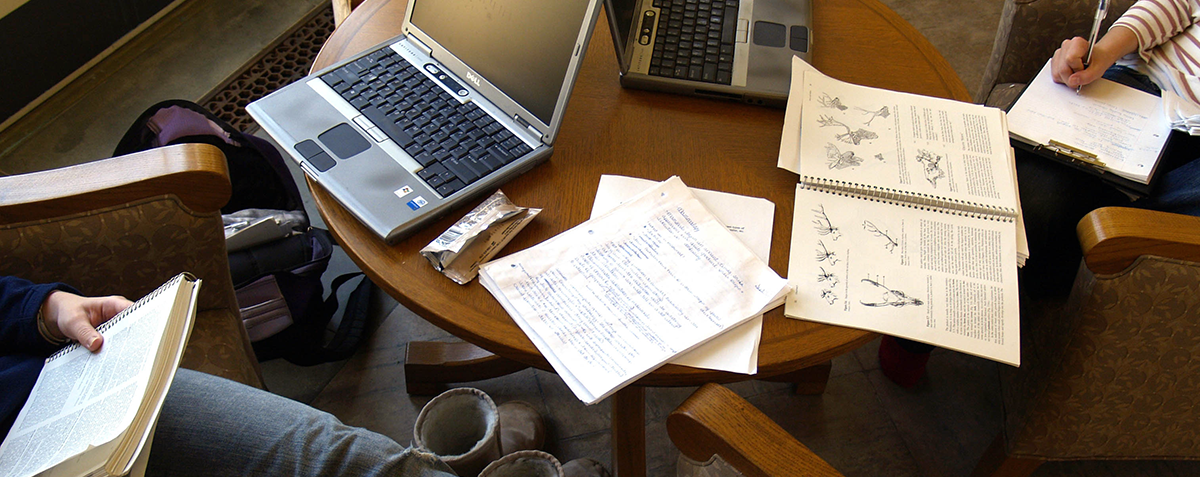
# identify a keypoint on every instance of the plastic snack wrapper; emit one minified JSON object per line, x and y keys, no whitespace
{"x":477,"y":237}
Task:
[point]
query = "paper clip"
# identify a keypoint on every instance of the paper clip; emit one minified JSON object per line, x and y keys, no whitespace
{"x":1074,"y":153}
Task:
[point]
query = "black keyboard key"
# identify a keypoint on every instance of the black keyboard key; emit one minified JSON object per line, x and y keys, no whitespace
{"x":451,"y":187}
{"x":710,"y":73}
{"x":501,"y":154}
{"x":729,"y":24}
{"x":347,"y":75}
{"x":492,"y":162}
{"x":521,"y":150}
{"x":464,"y":173}
{"x":435,"y":181}
{"x":425,"y":159}
{"x":431,"y":171}
{"x":478,"y":167}
{"x":388,"y":127}
{"x":724,"y":77}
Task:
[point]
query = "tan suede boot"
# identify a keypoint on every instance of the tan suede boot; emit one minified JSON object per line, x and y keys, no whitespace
{"x":526,"y":463}
{"x":521,"y":427}
{"x":462,"y":427}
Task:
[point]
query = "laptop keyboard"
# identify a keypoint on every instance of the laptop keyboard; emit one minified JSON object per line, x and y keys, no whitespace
{"x":695,"y":40}
{"x":456,"y":143}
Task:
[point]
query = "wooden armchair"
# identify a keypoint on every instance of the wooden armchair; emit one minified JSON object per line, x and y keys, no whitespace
{"x":124,"y":226}
{"x":1115,"y":372}
{"x":715,"y":421}
{"x":1028,"y":34}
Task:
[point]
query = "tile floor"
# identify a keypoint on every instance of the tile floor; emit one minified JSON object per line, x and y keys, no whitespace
{"x":863,"y":424}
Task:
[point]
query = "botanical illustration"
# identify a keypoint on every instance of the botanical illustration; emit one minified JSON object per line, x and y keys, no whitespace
{"x":828,"y":278}
{"x":933,"y":166}
{"x":839,"y":159}
{"x":851,"y":136}
{"x":822,"y":224}
{"x":878,"y":113}
{"x":831,"y":103}
{"x":890,"y":297}
{"x":824,"y":254}
{"x":829,"y":296}
{"x":889,"y":243}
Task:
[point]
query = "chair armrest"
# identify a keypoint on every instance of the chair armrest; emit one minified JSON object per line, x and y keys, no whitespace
{"x":196,"y":173}
{"x":714,"y":420}
{"x":1113,"y":237}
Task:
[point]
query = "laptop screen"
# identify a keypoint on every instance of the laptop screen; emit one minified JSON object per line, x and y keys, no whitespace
{"x":523,"y":47}
{"x":620,"y":17}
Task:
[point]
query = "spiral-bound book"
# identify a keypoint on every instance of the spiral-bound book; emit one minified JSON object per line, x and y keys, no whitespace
{"x":93,"y":414}
{"x":906,"y":218}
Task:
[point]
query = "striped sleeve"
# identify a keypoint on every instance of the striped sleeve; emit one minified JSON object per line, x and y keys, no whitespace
{"x":1155,"y":22}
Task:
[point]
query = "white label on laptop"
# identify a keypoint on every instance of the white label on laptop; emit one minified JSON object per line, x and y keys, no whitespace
{"x":403,"y":191}
{"x":417,"y":203}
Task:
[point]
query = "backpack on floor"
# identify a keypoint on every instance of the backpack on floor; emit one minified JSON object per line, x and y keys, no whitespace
{"x":278,"y":259}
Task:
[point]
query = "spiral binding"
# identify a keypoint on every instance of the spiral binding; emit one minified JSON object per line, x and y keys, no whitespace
{"x":116,"y":319}
{"x":914,"y":200}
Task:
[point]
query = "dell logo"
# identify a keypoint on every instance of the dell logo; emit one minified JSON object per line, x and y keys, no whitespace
{"x":473,"y":79}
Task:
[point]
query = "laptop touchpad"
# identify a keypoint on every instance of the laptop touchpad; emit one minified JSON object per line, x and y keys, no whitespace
{"x":770,"y":34}
{"x":344,"y":141}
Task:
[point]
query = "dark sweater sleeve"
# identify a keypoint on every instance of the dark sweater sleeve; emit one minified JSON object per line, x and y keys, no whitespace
{"x":22,"y":348}
{"x":20,"y":300}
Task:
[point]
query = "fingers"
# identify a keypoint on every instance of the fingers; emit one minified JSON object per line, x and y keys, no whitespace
{"x":77,"y":317}
{"x":1068,"y":60}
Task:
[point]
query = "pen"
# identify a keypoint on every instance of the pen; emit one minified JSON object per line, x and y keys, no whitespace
{"x":1101,"y":12}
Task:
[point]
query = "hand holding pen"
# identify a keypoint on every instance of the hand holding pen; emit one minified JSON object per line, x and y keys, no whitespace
{"x":1081,"y":61}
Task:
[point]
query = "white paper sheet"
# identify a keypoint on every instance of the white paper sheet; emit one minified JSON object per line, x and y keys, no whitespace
{"x":750,"y":220}
{"x":614,"y":298}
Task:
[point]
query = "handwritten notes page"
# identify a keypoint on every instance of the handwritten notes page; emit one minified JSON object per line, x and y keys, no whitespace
{"x":943,"y":279}
{"x":1124,"y":127}
{"x":930,"y":147}
{"x":747,"y":218}
{"x":615,"y":297}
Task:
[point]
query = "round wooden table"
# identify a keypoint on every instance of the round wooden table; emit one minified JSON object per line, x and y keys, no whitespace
{"x":709,"y":144}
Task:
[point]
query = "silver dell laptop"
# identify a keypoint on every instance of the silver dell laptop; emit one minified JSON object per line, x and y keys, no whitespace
{"x":470,"y":95}
{"x":732,"y":49}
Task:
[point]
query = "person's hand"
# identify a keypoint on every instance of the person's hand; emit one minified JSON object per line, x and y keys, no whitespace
{"x":1067,"y":67}
{"x":75,"y":317}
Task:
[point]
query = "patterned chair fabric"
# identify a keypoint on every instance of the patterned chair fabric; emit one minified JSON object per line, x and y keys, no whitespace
{"x":1114,"y":373}
{"x":1028,"y":34}
{"x":130,"y":250}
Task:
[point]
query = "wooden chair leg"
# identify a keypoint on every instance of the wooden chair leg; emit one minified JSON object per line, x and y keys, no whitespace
{"x":429,"y":365}
{"x":629,"y":431}
{"x":996,"y":463}
{"x":809,"y":381}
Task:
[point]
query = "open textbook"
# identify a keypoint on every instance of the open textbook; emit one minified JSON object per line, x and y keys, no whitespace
{"x":619,"y":295}
{"x":906,"y":218}
{"x":1106,"y":128}
{"x":747,"y":218}
{"x":93,"y":414}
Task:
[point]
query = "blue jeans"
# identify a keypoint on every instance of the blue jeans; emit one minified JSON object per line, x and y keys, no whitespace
{"x":213,"y":426}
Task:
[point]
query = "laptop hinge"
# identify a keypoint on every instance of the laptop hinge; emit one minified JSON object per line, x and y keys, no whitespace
{"x":424,"y":49}
{"x":525,"y":124}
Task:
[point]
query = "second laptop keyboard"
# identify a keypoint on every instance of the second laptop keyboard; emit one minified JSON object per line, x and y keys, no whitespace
{"x":695,"y":40}
{"x":456,"y":143}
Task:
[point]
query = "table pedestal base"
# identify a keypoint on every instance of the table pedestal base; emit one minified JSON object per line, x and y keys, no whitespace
{"x":429,"y":365}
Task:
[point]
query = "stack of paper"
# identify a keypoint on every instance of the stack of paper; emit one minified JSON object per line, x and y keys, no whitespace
{"x":614,"y":298}
{"x":747,"y":218}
